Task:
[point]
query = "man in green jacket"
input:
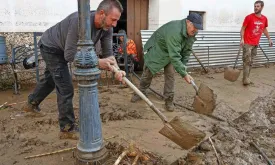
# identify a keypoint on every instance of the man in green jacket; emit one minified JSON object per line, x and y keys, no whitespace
{"x":169,"y":47}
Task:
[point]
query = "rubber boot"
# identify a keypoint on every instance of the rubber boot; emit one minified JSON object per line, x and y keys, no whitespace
{"x":246,"y":72}
{"x":250,"y":67}
{"x":169,"y":105}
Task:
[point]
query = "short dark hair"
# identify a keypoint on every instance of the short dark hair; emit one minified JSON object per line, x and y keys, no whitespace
{"x":260,"y":2}
{"x":108,"y":5}
{"x":122,"y":31}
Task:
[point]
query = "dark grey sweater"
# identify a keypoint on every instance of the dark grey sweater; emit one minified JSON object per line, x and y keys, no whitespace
{"x":64,"y":36}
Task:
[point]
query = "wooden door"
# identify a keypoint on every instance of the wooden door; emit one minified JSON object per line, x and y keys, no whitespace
{"x":137,"y":19}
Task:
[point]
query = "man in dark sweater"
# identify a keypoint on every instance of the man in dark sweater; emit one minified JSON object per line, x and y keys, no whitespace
{"x":58,"y":46}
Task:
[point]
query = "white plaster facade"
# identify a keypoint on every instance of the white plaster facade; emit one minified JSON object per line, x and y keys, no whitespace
{"x":220,"y":15}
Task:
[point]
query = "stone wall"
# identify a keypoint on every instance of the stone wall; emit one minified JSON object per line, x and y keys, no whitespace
{"x":6,"y":74}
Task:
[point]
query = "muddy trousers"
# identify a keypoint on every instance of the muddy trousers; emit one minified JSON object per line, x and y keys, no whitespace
{"x":169,"y":79}
{"x":249,"y":53}
{"x":57,"y":76}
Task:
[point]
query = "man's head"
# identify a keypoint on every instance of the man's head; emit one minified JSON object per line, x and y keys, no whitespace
{"x":194,"y":23}
{"x":109,"y":12}
{"x":121,"y":38}
{"x":258,"y":7}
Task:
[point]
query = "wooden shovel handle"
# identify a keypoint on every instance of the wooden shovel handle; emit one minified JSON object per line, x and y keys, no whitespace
{"x":138,"y":92}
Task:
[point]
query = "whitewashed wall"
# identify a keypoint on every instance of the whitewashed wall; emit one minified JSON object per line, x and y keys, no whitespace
{"x":153,"y":14}
{"x":35,"y":15}
{"x":222,"y":15}
{"x":162,"y":11}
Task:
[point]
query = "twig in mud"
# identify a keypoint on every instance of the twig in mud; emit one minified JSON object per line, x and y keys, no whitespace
{"x":135,"y":160}
{"x":9,"y":105}
{"x":121,"y":156}
{"x":50,"y":153}
{"x":261,"y":152}
{"x":111,"y":137}
{"x":200,"y":143}
{"x":216,"y":118}
{"x":1,"y":106}
{"x":5,"y":105}
{"x":218,"y":158}
{"x":60,"y":151}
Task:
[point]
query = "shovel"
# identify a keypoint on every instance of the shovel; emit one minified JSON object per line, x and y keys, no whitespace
{"x":178,"y":131}
{"x":177,"y":104}
{"x":199,"y":61}
{"x":232,"y":74}
{"x":205,"y":99}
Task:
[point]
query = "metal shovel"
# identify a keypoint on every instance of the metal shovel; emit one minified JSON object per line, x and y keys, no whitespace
{"x":232,"y":74}
{"x":177,"y":130}
{"x":205,"y":99}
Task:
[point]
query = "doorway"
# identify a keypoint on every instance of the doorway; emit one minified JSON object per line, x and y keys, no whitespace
{"x":133,"y":19}
{"x":137,"y":19}
{"x":122,"y":23}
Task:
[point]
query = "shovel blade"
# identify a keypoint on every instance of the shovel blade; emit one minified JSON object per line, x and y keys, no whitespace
{"x":205,"y":101}
{"x":199,"y":105}
{"x":231,"y":74}
{"x":182,"y":133}
{"x":171,"y":134}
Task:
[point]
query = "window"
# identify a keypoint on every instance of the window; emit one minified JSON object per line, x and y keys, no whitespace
{"x":202,"y":14}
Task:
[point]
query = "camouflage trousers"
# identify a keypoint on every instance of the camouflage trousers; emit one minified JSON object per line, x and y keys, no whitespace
{"x":249,"y":53}
{"x":169,"y":78}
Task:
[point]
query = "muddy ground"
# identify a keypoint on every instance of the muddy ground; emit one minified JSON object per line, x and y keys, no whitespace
{"x":124,"y":122}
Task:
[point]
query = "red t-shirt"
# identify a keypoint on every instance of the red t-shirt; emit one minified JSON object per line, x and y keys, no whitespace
{"x":254,"y":28}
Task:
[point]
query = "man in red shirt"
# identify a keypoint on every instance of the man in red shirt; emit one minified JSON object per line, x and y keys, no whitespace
{"x":253,"y":26}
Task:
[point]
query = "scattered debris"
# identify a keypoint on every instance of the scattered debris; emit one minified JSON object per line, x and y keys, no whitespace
{"x":132,"y":154}
{"x":262,"y":153}
{"x":233,"y":139}
{"x":218,"y":158}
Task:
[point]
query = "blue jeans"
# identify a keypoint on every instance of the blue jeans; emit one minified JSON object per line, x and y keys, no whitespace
{"x":57,"y":76}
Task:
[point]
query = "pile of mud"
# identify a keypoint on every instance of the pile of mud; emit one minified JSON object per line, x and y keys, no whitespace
{"x":232,"y":139}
